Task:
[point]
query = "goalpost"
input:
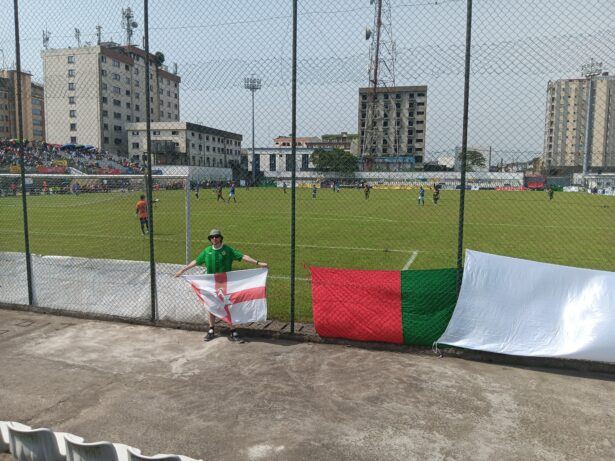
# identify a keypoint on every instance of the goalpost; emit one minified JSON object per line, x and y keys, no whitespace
{"x":87,"y":185}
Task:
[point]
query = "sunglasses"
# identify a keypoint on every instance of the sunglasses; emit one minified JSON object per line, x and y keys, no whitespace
{"x":215,"y":236}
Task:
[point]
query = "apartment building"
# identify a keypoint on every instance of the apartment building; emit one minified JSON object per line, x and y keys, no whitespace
{"x":579,"y":123}
{"x":182,"y":143}
{"x":392,"y":124}
{"x":343,"y":141}
{"x":32,"y":103}
{"x":93,"y":92}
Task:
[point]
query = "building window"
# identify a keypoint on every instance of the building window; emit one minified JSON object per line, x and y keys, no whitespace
{"x":116,"y":63}
{"x":117,"y":115}
{"x":127,"y":80}
{"x":137,"y":119}
{"x":73,"y":139}
{"x":71,"y":86}
{"x":103,"y":58}
{"x":116,"y":90}
{"x":104,"y":86}
{"x":135,"y":145}
{"x":73,"y":127}
{"x":105,"y":140}
{"x":71,"y":59}
{"x":272,"y":162}
{"x":72,"y":113}
{"x":71,"y":72}
{"x":36,"y":112}
{"x":117,"y":127}
{"x":117,"y":102}
{"x":127,"y":105}
{"x":137,"y":107}
{"x":103,"y":73}
{"x":127,"y":92}
{"x":104,"y":100}
{"x":105,"y":113}
{"x":105,"y":126}
{"x":117,"y":141}
{"x":116,"y":77}
{"x":156,"y":133}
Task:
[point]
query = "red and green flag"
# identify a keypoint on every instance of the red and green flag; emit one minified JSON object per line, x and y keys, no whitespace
{"x":402,"y":307}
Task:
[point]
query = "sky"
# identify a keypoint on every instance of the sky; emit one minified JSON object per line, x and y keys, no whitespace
{"x":517,"y":47}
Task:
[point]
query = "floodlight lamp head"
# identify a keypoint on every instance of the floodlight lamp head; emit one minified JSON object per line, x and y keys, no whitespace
{"x":368,"y":33}
{"x":134,"y":24}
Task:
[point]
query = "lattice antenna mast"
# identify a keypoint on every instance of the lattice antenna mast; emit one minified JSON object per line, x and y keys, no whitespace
{"x":128,"y":24}
{"x":382,"y":58}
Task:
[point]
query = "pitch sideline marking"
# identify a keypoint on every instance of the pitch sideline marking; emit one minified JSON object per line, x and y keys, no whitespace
{"x":125,"y":237}
{"x":410,"y":260}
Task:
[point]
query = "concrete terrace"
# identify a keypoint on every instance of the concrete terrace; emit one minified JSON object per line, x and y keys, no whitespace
{"x":165,"y":390}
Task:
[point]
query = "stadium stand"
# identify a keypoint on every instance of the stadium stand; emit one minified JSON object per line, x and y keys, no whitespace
{"x":48,"y":158}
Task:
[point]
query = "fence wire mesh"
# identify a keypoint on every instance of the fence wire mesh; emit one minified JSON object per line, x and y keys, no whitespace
{"x":379,"y":149}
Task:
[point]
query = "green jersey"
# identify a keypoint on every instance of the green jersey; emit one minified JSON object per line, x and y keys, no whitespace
{"x":220,"y":260}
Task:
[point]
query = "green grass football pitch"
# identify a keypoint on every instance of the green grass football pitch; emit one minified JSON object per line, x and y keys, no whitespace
{"x":389,"y":231}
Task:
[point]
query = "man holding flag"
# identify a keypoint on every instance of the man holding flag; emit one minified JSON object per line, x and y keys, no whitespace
{"x":218,"y":259}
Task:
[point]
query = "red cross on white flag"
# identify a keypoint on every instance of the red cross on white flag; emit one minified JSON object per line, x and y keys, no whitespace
{"x":236,"y":296}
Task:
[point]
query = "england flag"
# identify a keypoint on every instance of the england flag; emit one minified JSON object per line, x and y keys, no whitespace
{"x":235,"y":297}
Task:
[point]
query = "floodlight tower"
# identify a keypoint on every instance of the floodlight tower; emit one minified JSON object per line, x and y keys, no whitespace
{"x":253,"y":84}
{"x":382,"y":57}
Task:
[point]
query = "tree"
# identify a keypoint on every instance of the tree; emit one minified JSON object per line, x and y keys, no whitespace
{"x":337,"y":160}
{"x":159,"y":58}
{"x":474,"y":159}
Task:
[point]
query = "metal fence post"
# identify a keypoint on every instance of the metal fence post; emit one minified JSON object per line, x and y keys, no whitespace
{"x":22,"y":164}
{"x":464,"y":143}
{"x":150,"y":202}
{"x":294,"y":169}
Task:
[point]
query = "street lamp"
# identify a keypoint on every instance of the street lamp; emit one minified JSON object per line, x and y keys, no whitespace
{"x":252,"y":83}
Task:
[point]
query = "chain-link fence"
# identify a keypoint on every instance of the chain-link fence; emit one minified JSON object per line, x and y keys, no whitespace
{"x":389,"y":134}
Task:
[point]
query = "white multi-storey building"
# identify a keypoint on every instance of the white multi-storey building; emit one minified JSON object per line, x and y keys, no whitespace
{"x":92,"y":92}
{"x":580,"y":123}
{"x":182,"y":143}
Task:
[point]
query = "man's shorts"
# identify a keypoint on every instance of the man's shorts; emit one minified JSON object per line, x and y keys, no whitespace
{"x":143,"y":220}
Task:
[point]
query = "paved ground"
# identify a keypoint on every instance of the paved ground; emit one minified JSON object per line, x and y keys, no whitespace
{"x":165,"y":390}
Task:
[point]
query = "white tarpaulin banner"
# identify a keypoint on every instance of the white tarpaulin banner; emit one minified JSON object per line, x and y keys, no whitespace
{"x":520,"y":307}
{"x":236,"y":296}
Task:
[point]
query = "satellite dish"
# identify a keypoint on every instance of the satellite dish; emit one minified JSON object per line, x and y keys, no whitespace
{"x":368,"y":33}
{"x":134,"y":25}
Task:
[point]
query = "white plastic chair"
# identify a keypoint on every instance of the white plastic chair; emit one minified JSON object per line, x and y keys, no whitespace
{"x":97,"y":451}
{"x":5,"y":440}
{"x":38,"y":444}
{"x":139,"y":457}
